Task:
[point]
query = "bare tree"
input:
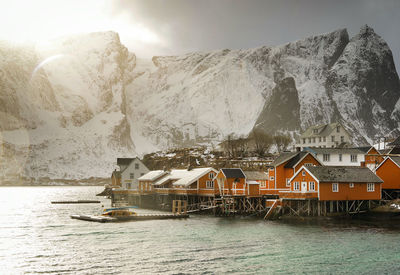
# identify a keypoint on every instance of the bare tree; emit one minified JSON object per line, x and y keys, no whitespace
{"x":261,"y":142}
{"x":281,"y":142}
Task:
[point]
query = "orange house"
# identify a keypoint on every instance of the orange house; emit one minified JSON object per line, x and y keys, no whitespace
{"x":146,"y":181}
{"x":231,"y":181}
{"x":372,"y":157}
{"x":334,"y":183}
{"x":284,"y":167}
{"x":389,"y":172}
{"x":255,"y":180}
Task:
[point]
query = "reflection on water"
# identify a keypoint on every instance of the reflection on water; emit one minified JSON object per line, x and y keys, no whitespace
{"x":39,"y":237}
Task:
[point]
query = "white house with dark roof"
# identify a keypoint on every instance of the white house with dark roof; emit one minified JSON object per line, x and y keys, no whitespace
{"x":324,"y":136}
{"x":131,"y":170}
{"x":338,"y":156}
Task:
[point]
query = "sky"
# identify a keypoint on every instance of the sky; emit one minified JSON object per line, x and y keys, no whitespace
{"x":171,"y":27}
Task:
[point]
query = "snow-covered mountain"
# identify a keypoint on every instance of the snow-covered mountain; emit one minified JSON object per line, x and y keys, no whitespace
{"x":70,"y":107}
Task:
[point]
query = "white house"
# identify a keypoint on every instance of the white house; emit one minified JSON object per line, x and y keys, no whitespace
{"x":338,"y":156}
{"x":324,"y":136}
{"x":131,"y":169}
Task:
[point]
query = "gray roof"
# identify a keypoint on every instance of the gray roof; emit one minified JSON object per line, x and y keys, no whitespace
{"x":396,"y":160}
{"x":295,"y":159}
{"x":283,"y":157}
{"x":334,"y":150}
{"x":323,"y":130}
{"x":395,"y":142}
{"x":255,"y":175}
{"x":236,"y":173}
{"x":124,"y":161}
{"x":344,"y":174}
{"x":395,"y":150}
{"x":364,"y":149}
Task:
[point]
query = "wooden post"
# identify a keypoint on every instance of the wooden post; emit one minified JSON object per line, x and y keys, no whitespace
{"x":319,"y":208}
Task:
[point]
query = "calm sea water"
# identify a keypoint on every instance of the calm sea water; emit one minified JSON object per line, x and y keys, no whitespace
{"x":38,"y":237}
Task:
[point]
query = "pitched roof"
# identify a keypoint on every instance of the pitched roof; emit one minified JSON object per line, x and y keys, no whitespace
{"x":116,"y":174}
{"x":395,"y":142}
{"x":344,"y":174}
{"x":236,"y":173}
{"x":153,"y":175}
{"x":124,"y":161}
{"x":283,"y":157}
{"x":334,"y":150}
{"x":396,"y":160}
{"x":296,"y":159}
{"x":395,"y":150}
{"x":183,"y":176}
{"x":255,"y":175}
{"x":364,"y":149}
{"x":323,"y":130}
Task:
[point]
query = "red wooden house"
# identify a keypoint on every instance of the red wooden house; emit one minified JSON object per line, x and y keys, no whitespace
{"x":231,"y":181}
{"x":372,"y":157}
{"x":254,"y":181}
{"x":389,"y":172}
{"x":283,"y":168}
{"x":334,"y":183}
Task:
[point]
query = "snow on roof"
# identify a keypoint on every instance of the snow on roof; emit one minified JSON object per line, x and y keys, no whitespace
{"x":192,"y":175}
{"x":183,"y":176}
{"x":153,"y":175}
{"x":252,"y":182}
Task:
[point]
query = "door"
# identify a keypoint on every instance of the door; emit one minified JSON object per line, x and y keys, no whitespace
{"x":304,"y":187}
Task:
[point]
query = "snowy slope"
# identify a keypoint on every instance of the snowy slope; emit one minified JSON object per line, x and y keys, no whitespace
{"x":70,"y":107}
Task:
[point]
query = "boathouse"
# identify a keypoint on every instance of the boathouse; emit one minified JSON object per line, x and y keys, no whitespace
{"x":334,"y":183}
{"x":389,"y":172}
{"x":255,"y":182}
{"x":131,"y":169}
{"x":284,"y":167}
{"x":231,"y":182}
{"x":146,"y":181}
{"x":116,"y":179}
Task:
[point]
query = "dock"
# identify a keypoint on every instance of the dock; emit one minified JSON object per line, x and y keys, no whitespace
{"x":75,"y":202}
{"x":137,"y":217}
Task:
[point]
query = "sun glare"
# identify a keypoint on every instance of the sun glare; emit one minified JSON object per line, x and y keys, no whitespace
{"x":41,"y":20}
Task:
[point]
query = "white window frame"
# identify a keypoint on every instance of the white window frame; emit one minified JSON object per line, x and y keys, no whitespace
{"x":335,"y":187}
{"x":351,"y":184}
{"x":353,"y":158}
{"x":308,"y":164}
{"x":131,"y":176}
{"x":340,"y":157}
{"x":303,"y":173}
{"x":137,"y":166}
{"x":271,"y":178}
{"x":211,"y":175}
{"x":370,"y":187}
{"x":210,"y":184}
{"x":263,"y":183}
{"x":296,"y":186}
{"x":287,"y":182}
{"x":311,"y":186}
{"x":326,"y":157}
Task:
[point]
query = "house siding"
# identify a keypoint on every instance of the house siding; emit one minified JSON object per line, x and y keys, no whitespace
{"x":389,"y":172}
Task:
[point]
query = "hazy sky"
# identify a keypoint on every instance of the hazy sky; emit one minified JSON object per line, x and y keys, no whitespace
{"x":167,"y":27}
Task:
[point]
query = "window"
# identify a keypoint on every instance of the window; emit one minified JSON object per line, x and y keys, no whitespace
{"x":308,"y":164}
{"x":326,"y":157}
{"x":296,"y":185}
{"x":324,"y":139}
{"x":263,"y":184}
{"x":315,"y":131}
{"x":304,"y":140}
{"x":353,"y":158}
{"x":351,"y":185}
{"x":312,"y":186}
{"x":342,"y":139}
{"x":136,"y":165}
{"x":320,"y":139}
{"x":271,"y":178}
{"x":333,"y":138}
{"x":338,"y":129}
{"x":303,"y":173}
{"x":309,"y":140}
{"x":370,"y":187}
{"x":335,"y":187}
{"x":131,"y":175}
{"x":211,"y":175}
{"x":287,"y":182}
{"x":210,"y":184}
{"x":340,"y":157}
{"x":313,"y":140}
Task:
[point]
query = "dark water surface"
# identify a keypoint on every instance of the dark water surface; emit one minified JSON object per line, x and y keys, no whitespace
{"x":38,"y":237}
